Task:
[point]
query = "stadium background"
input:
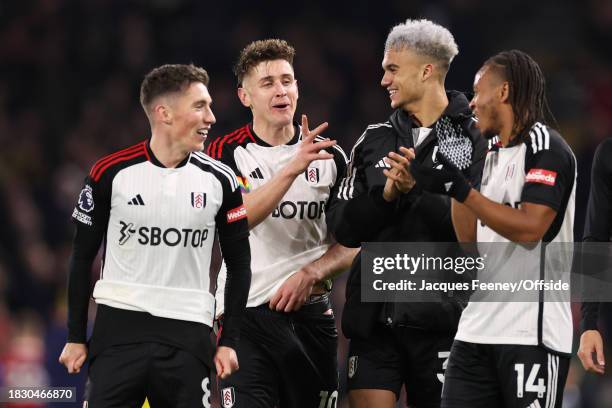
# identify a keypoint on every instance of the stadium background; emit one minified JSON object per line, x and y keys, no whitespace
{"x":70,"y":75}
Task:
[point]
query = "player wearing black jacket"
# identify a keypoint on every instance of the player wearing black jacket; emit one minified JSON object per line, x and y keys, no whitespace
{"x":404,"y":343}
{"x":598,"y":228}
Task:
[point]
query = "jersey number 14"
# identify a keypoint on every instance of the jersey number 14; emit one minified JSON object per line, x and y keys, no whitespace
{"x":523,"y":386}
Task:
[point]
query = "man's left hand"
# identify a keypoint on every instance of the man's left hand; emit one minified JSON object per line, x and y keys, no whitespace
{"x":226,"y":361}
{"x":293,"y":292}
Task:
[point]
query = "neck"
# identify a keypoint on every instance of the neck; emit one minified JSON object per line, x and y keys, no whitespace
{"x":429,"y":108}
{"x":271,"y":134}
{"x":168,"y":153}
{"x":507,"y":133}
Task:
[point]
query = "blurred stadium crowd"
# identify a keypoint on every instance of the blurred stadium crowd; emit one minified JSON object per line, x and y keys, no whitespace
{"x":69,"y":83}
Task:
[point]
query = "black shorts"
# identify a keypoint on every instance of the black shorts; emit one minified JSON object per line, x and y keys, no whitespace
{"x":500,"y":375}
{"x":287,"y":360}
{"x":123,"y":375}
{"x":392,"y":357}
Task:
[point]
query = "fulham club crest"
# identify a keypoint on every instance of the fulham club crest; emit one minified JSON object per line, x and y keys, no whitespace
{"x":228,"y":397}
{"x":198,"y":200}
{"x":312,"y":175}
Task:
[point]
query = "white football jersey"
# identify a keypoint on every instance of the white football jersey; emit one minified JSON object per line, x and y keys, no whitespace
{"x":159,"y":226}
{"x":540,"y":170}
{"x":295,"y":234}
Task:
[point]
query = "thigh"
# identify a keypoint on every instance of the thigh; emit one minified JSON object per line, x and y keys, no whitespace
{"x":374,"y":363}
{"x":531,"y":376}
{"x":255,"y":384}
{"x":470,"y":379}
{"x":318,"y":337}
{"x":117,"y":377}
{"x":177,"y":379}
{"x":371,"y":398}
{"x":424,"y":357}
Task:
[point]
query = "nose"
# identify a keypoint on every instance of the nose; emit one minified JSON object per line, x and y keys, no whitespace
{"x":280,"y":89}
{"x":472,"y":104}
{"x":386,"y":80}
{"x":209,"y":117}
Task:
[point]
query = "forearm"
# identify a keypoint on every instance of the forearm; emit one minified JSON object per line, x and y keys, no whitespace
{"x":464,"y":222}
{"x":261,"y":202}
{"x":237,"y":255}
{"x":513,"y":224}
{"x":337,"y":259}
{"x":79,"y":282}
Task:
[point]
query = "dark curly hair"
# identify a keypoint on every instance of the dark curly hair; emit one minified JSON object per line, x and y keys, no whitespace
{"x":527,"y":87}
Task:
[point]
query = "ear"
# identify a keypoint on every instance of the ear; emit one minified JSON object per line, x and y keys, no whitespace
{"x":244,"y":97}
{"x":428,"y":70}
{"x":297,"y":90}
{"x":504,"y":92}
{"x":162,"y":113}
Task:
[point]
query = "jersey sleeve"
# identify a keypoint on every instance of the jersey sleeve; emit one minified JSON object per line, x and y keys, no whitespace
{"x":90,"y":216}
{"x":221,"y":149}
{"x":341,"y":161}
{"x":233,"y":229}
{"x":549,"y":173}
{"x":354,"y":201}
{"x":231,"y":220}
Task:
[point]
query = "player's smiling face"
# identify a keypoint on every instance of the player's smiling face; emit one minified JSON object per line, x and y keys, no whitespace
{"x":192,"y":116}
{"x":486,"y":101}
{"x":401,"y":79}
{"x":270,"y":90}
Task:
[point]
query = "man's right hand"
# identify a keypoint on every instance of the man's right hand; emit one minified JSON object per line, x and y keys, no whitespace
{"x":309,"y":151}
{"x":73,"y":356}
{"x":591,"y":342}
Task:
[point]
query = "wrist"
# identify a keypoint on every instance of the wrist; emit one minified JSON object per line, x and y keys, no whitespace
{"x":310,"y":273}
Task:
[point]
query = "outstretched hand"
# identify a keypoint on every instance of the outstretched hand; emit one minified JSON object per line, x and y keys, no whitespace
{"x":309,"y":151}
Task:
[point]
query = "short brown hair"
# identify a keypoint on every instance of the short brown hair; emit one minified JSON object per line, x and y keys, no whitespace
{"x":169,"y":78}
{"x":262,"y":50}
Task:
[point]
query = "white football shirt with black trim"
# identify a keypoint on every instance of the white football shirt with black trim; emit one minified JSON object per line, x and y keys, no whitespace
{"x":540,"y":170}
{"x":159,"y":225}
{"x":295,"y":234}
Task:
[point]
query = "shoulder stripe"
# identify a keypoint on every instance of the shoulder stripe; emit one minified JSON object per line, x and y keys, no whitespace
{"x":112,"y":156}
{"x":545,"y":133}
{"x":540,"y":137}
{"x":215,"y":149}
{"x":213,"y":146}
{"x":231,"y":138}
{"x":220,"y":167}
{"x":377,"y":125}
{"x":249,"y":134}
{"x":347,"y":185}
{"x":98,"y":174}
{"x":336,"y":147}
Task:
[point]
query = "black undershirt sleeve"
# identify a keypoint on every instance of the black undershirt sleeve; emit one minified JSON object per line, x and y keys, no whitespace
{"x":237,"y":255}
{"x":85,"y":246}
{"x":90,"y":217}
{"x":233,"y":229}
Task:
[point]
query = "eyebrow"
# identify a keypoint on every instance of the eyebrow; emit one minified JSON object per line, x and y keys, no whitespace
{"x":203,"y":102}
{"x":271,"y":77}
{"x":390,"y":66}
